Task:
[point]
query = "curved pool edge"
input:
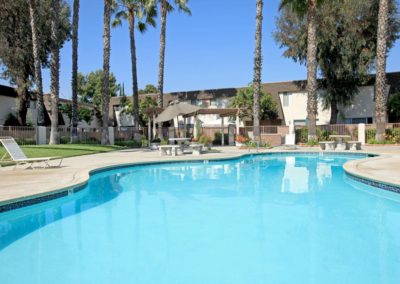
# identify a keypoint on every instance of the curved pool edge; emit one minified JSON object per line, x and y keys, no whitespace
{"x":352,"y":170}
{"x":31,"y":199}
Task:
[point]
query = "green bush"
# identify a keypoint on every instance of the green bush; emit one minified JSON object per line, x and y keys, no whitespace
{"x":392,"y":136}
{"x":164,"y":142}
{"x":11,"y":120}
{"x":373,"y":141}
{"x":312,"y":142}
{"x":301,"y":135}
{"x":322,"y":134}
{"x":144,"y":142}
{"x":25,"y":141}
{"x":251,"y":143}
{"x":396,"y":135}
{"x":129,"y":143}
{"x":205,"y":139}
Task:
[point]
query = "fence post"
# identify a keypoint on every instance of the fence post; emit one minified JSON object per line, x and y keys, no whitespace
{"x":41,"y":136}
{"x":361,"y":133}
{"x":231,"y":133}
{"x":111,"y":135}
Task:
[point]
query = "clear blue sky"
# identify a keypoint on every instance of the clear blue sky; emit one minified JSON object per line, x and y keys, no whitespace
{"x":213,"y":48}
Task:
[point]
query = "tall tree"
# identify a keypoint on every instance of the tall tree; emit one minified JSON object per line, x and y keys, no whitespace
{"x":37,"y":64}
{"x":74,"y":81}
{"x":90,"y":87}
{"x":166,"y":7}
{"x":244,"y":101}
{"x":106,"y":73}
{"x":55,"y":70}
{"x":16,"y":52}
{"x":346,"y":40}
{"x":309,"y":8}
{"x":144,"y":12}
{"x":312,"y":106}
{"x":257,"y":70}
{"x":380,"y":81}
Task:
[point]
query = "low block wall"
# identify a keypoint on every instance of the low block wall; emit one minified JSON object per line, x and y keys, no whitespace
{"x":273,"y":139}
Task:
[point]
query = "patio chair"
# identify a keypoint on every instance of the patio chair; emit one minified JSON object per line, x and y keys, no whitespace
{"x":19,"y":157}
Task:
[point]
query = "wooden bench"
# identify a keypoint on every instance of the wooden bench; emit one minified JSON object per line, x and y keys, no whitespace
{"x":327,"y":145}
{"x":196,"y":149}
{"x":170,"y":150}
{"x":353,"y":145}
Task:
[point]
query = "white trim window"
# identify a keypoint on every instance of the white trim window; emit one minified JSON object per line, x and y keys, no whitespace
{"x":285,"y":99}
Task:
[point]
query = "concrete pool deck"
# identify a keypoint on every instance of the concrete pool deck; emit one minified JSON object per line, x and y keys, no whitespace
{"x":21,"y":184}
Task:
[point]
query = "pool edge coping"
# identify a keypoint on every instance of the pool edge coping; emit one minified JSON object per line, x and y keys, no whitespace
{"x":27,"y":200}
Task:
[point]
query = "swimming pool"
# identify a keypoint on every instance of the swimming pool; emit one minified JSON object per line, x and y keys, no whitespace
{"x":280,"y":218}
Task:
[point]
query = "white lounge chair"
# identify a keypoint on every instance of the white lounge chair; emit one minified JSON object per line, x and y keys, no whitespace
{"x":19,"y":157}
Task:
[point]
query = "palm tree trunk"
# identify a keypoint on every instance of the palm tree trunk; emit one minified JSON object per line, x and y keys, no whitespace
{"x":162,"y":53}
{"x":106,"y":73}
{"x":312,"y":106}
{"x":135,"y":91}
{"x":55,"y":71}
{"x":257,"y":70}
{"x":37,"y":64}
{"x":380,"y":83}
{"x":74,"y":82}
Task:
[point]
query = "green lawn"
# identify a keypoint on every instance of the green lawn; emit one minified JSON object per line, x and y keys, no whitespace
{"x":67,"y":150}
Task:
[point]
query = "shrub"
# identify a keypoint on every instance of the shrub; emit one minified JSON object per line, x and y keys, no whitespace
{"x":323,"y":134}
{"x":373,"y":141}
{"x":392,"y":136}
{"x":205,"y":139}
{"x":312,"y":142}
{"x":25,"y":141}
{"x":301,"y":135}
{"x":265,"y":144}
{"x":156,"y":140}
{"x":242,"y":139}
{"x":129,"y":143}
{"x":144,"y":142}
{"x":11,"y":120}
{"x":164,"y":142}
{"x":252,"y":144}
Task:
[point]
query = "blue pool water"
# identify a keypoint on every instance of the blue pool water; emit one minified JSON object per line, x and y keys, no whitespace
{"x":258,"y":219}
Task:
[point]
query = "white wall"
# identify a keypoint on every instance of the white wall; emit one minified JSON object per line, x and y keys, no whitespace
{"x":363,"y":105}
{"x":297,"y":108}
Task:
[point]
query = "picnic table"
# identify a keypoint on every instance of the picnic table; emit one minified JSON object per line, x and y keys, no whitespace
{"x":180,"y":141}
{"x":339,"y":140}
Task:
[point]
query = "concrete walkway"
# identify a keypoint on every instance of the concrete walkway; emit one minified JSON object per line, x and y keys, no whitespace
{"x":21,"y":184}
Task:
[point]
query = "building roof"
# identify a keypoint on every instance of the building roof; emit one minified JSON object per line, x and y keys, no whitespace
{"x":8,"y":91}
{"x":222,"y":112}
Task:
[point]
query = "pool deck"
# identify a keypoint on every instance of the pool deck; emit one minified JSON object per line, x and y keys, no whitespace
{"x":21,"y":184}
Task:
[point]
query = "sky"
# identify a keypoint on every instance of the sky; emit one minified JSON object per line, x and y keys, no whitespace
{"x":213,"y":48}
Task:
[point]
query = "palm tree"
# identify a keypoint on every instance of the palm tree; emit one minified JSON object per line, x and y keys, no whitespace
{"x":309,"y":8}
{"x":105,"y":90}
{"x":144,"y":12}
{"x":312,"y":104}
{"x":166,"y":7}
{"x":257,"y":70}
{"x":380,"y":83}
{"x":37,"y":64}
{"x":55,"y":70}
{"x":74,"y":81}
